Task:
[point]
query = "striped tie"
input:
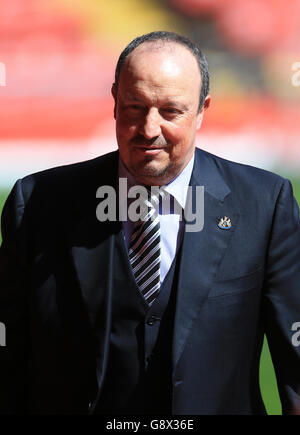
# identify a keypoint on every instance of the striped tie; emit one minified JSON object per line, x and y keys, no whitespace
{"x":144,"y":250}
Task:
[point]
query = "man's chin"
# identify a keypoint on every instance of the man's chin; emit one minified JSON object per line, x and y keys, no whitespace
{"x":151,"y":172}
{"x":150,"y":169}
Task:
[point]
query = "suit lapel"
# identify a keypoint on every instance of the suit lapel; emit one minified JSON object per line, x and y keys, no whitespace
{"x":91,"y":241}
{"x":202,"y":251}
{"x":93,"y":268}
{"x":92,"y":249}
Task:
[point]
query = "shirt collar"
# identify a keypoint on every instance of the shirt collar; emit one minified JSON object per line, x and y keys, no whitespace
{"x":177,"y":187}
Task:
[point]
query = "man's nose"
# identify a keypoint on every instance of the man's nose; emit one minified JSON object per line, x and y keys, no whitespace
{"x":151,"y":124}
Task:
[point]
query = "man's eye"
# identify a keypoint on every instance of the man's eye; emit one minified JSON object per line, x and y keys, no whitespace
{"x":171,"y":111}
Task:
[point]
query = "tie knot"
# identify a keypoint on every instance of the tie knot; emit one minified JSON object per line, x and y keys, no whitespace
{"x":147,"y":205}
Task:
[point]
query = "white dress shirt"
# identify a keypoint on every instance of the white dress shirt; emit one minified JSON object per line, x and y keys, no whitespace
{"x":171,"y":218}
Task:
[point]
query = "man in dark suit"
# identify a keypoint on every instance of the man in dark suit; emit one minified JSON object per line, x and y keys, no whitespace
{"x":120,"y":316}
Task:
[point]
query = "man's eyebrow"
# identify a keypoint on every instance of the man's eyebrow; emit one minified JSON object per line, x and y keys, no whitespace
{"x":173,"y":104}
{"x":176,"y":105}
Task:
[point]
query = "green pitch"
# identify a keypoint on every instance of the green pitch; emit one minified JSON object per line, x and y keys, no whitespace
{"x":267,"y":376}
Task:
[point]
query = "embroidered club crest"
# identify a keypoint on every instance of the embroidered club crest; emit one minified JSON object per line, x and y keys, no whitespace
{"x":225,"y":223}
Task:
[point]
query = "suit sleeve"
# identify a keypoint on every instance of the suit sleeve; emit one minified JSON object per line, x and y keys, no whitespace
{"x":13,"y":305}
{"x":281,"y":303}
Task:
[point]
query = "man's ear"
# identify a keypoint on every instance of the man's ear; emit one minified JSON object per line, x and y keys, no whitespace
{"x":201,"y":112}
{"x":114,"y":94}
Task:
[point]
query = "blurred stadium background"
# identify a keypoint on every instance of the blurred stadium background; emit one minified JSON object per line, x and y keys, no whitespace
{"x":57,"y":60}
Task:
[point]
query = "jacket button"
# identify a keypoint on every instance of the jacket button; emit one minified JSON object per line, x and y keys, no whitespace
{"x":151,"y":320}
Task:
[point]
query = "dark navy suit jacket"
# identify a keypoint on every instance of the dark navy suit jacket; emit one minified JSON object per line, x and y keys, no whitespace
{"x":57,"y":274}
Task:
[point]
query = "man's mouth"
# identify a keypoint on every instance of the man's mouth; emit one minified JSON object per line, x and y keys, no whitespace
{"x":150,"y":150}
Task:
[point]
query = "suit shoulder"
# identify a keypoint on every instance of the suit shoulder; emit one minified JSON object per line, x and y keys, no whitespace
{"x":67,"y":171}
{"x":235,"y":173}
{"x":66,"y":176}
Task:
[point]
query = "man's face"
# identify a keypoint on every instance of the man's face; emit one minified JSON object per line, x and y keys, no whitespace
{"x":156,"y":111}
